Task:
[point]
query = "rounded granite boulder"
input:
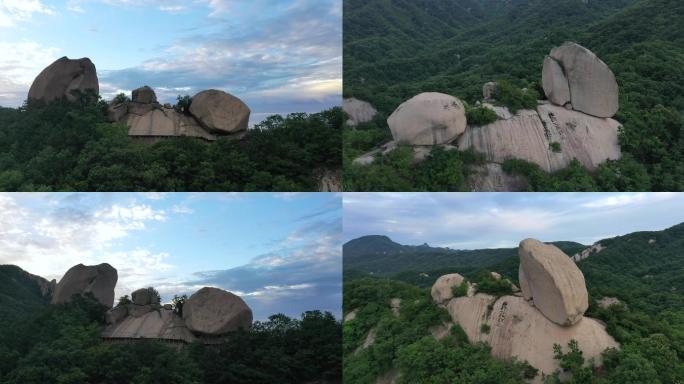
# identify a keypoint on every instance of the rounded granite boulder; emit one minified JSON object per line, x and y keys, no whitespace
{"x":220,"y":112}
{"x":553,"y":282}
{"x":212,"y":311}
{"x":62,"y":77}
{"x":428,"y":119}
{"x":99,"y":280}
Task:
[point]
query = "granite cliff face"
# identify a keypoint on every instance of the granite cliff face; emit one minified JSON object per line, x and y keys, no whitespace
{"x":548,"y":310}
{"x":61,"y":78}
{"x":99,"y":280}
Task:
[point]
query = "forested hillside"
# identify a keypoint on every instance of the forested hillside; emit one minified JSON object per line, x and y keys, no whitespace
{"x":42,"y":343}
{"x":396,"y":49}
{"x":644,"y":271}
{"x":71,"y":146}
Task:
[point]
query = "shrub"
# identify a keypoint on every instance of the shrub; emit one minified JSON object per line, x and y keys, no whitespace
{"x":183,"y":104}
{"x":515,"y":98}
{"x":461,"y":289}
{"x":485,"y":328}
{"x":555,"y":147}
{"x":121,"y":98}
{"x":480,"y":115}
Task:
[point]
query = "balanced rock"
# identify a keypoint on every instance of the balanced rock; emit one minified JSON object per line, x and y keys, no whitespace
{"x":99,"y":280}
{"x":220,"y":112}
{"x":161,"y":324}
{"x":574,"y":74}
{"x":442,"y":290}
{"x":428,"y":119}
{"x":144,"y":95}
{"x":213,"y":311}
{"x":62,"y":77}
{"x":552,"y":280}
{"x":144,"y":296}
{"x":359,"y":111}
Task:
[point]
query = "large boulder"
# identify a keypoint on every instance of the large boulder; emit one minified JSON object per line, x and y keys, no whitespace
{"x":161,"y":324}
{"x":553,"y":281}
{"x":220,"y":112}
{"x":99,"y":280}
{"x":164,"y":122}
{"x":144,"y":95}
{"x":62,"y":77}
{"x":213,"y":311}
{"x":591,"y":86}
{"x":428,"y":119}
{"x":442,"y":289}
{"x":144,"y":296}
{"x":359,"y":111}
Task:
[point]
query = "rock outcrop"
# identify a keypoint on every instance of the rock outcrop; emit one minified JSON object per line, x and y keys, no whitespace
{"x":358,"y":111}
{"x":573,"y":74}
{"x":99,"y":280}
{"x":428,"y":119}
{"x":555,"y":284}
{"x":442,"y":290}
{"x":216,"y":114}
{"x":207,"y":315}
{"x":220,"y":112}
{"x":488,"y":90}
{"x":528,"y":327}
{"x":213,"y":311}
{"x":62,"y":77}
{"x":530,"y":135}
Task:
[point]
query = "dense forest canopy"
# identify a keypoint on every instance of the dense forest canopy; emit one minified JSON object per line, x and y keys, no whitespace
{"x":395,"y":49}
{"x":68,"y":146}
{"x":644,"y":270}
{"x":42,"y":343}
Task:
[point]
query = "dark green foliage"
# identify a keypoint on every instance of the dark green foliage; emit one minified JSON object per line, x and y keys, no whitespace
{"x":71,"y":146}
{"x":485,"y":328}
{"x":121,"y":98}
{"x":480,"y":115}
{"x":515,"y":98}
{"x":19,"y":293}
{"x":123,"y":300}
{"x":555,"y":147}
{"x":460,"y":290}
{"x":62,"y":344}
{"x":405,"y":342}
{"x":486,"y":283}
{"x":178,"y":302}
{"x":183,"y":104}
{"x":396,"y":49}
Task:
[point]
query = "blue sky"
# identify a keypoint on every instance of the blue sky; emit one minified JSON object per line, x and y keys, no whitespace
{"x":495,"y":220}
{"x":279,"y":56}
{"x":280,"y":252}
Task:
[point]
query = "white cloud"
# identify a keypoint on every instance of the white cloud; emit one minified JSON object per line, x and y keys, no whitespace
{"x":20,"y":63}
{"x":14,"y":11}
{"x":626,"y":199}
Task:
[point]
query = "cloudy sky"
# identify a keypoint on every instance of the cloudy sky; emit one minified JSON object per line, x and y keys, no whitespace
{"x":490,"y":220}
{"x":280,"y":252}
{"x":279,"y":56}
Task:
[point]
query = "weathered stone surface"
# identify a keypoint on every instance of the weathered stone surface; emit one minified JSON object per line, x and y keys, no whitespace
{"x":520,"y":330}
{"x":117,"y":112}
{"x":554,"y":82}
{"x":470,"y":313}
{"x":329,"y":180}
{"x":442,"y":289}
{"x":165,"y":123}
{"x":528,"y":136}
{"x":213,"y":311}
{"x":592,"y":85}
{"x":607,"y":301}
{"x":220,"y":112}
{"x":595,"y":248}
{"x":553,"y":281}
{"x":359,"y":111}
{"x":144,"y":296}
{"x":99,"y":280}
{"x":144,"y":95}
{"x":395,"y":304}
{"x":139,"y":310}
{"x":490,"y":177}
{"x":351,"y":315}
{"x":488,"y":90}
{"x":428,"y":119}
{"x":163,"y":324}
{"x":589,"y":139}
{"x":141,"y":109}
{"x":62,"y":77}
{"x":116,"y":314}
